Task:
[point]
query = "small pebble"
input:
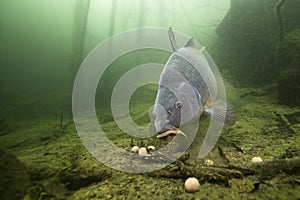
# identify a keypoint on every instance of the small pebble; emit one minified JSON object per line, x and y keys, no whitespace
{"x":208,"y":162}
{"x":256,"y":160}
{"x":191,"y":185}
{"x":135,"y":149}
{"x":143,"y":151}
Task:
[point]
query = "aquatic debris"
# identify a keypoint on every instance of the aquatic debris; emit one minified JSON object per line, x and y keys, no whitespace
{"x":290,"y":153}
{"x":239,"y":149}
{"x":63,"y":126}
{"x":208,"y":162}
{"x":256,"y":160}
{"x":135,"y":149}
{"x":272,"y":168}
{"x":223,"y":156}
{"x":191,"y":185}
{"x":143,"y":151}
{"x":284,"y":123}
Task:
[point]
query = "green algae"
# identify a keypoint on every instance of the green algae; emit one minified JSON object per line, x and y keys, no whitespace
{"x":62,"y":168}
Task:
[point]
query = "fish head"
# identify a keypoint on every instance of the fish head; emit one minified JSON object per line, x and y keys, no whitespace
{"x":174,"y":108}
{"x":166,"y":114}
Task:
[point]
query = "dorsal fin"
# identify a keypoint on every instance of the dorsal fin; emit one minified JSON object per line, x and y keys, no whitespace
{"x":172,"y":39}
{"x":190,"y":43}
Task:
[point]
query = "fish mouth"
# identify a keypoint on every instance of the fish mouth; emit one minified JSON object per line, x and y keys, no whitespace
{"x":170,"y":131}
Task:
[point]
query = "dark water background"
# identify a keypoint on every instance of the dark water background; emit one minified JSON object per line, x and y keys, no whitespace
{"x":39,"y":41}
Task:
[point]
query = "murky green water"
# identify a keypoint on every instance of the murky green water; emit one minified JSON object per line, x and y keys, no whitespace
{"x":255,"y":45}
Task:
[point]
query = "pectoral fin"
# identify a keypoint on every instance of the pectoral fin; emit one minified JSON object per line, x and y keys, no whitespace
{"x":221,"y":112}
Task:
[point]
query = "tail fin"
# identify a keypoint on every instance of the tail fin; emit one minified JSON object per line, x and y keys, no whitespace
{"x":221,"y":112}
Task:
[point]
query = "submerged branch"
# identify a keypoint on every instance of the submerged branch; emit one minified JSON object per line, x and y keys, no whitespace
{"x":227,"y":173}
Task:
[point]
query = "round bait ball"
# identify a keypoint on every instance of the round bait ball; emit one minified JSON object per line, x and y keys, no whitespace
{"x":143,"y":151}
{"x":135,"y":149}
{"x":191,"y":185}
{"x":208,"y":162}
{"x":256,"y":160}
{"x":151,"y":148}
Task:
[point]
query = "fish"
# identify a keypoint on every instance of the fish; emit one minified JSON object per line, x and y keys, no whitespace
{"x":185,"y":90}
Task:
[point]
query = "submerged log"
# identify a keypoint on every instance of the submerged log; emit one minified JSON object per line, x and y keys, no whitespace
{"x":224,"y":174}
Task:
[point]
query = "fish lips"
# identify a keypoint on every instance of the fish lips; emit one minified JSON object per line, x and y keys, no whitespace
{"x":167,"y":130}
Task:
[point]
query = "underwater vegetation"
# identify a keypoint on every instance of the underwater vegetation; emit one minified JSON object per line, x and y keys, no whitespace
{"x":254,"y":43}
{"x":256,"y":29}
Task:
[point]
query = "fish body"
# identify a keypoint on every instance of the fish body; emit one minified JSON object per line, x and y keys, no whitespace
{"x":185,"y":91}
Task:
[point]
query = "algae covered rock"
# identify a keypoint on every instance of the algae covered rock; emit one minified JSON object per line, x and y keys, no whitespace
{"x":14,"y":178}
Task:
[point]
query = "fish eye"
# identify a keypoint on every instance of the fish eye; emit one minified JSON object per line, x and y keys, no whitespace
{"x":169,"y":112}
{"x":178,"y":105}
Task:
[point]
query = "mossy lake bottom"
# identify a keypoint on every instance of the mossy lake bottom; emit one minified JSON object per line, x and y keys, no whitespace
{"x":56,"y":165}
